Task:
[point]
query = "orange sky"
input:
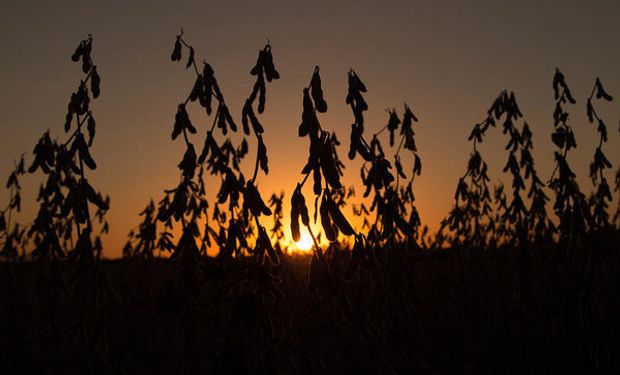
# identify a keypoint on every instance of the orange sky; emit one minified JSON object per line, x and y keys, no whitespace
{"x":448,"y":60}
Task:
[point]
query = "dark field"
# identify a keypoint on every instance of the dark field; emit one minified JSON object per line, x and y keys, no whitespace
{"x":535,"y":310}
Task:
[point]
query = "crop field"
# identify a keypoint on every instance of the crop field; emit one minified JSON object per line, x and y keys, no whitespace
{"x":522,"y":278}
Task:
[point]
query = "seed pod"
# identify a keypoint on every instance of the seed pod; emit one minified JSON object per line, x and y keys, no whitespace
{"x":84,"y":154}
{"x":188,"y":164}
{"x":190,"y":59}
{"x":176,"y":53}
{"x":590,"y":111}
{"x":602,"y":129}
{"x":262,"y":155}
{"x":93,"y":196}
{"x":417,"y":167}
{"x":197,"y":90}
{"x":309,"y":121}
{"x":182,"y":121}
{"x":402,"y":225}
{"x":569,"y":96}
{"x":303,"y":211}
{"x":86,"y":64}
{"x":392,"y":125}
{"x":229,"y":118}
{"x":245,"y":118}
{"x":77,"y":53}
{"x":95,"y":82}
{"x":261,"y":93}
{"x":326,"y":221}
{"x":270,"y":71}
{"x":256,"y":125}
{"x":328,"y":165}
{"x":318,"y":186}
{"x":317,"y":91}
{"x":408,"y":119}
{"x":358,"y":82}
{"x":298,"y":203}
{"x":295,"y":220}
{"x":558,"y":137}
{"x":303,"y":129}
{"x":259,"y":63}
{"x":601,"y":93}
{"x":205,"y":151}
{"x":68,"y":120}
{"x":224,"y":119}
{"x":254,"y":202}
{"x":91,"y":129}
{"x":399,"y":167}
{"x":266,"y":243}
{"x":364,"y":152}
{"x":341,"y":222}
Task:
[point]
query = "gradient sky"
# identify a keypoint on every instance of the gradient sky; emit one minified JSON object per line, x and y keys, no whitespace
{"x":448,"y":60}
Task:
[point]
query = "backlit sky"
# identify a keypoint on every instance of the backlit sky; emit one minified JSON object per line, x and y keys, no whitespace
{"x":448,"y":60}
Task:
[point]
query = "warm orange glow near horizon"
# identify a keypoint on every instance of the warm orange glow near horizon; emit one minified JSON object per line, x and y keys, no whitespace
{"x":438,"y":59}
{"x":305,"y":242}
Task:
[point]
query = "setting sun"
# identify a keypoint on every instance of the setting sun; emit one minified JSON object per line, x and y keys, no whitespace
{"x":305,"y":242}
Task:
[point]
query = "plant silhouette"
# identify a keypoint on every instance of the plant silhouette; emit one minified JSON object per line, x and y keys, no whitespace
{"x":204,"y":286}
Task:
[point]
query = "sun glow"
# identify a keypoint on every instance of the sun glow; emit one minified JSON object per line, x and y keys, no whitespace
{"x":305,"y":242}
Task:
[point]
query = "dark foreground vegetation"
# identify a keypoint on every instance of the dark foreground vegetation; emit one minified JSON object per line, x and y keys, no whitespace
{"x":454,"y":311}
{"x":502,"y":287}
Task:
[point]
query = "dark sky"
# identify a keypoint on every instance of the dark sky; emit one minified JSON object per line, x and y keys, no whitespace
{"x":448,"y":60}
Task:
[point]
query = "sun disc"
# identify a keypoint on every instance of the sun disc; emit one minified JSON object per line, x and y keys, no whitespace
{"x":305,"y":242}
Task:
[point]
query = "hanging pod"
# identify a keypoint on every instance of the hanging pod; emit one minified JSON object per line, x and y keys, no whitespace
{"x":317,"y":91}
